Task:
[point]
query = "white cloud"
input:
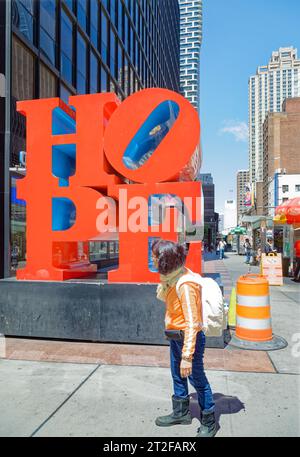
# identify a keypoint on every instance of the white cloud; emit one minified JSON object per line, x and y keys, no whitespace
{"x":236,"y":128}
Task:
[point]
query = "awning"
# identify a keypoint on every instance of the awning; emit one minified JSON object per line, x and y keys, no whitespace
{"x":288,"y":211}
{"x":238,"y":231}
{"x":255,"y":221}
{"x":279,"y":219}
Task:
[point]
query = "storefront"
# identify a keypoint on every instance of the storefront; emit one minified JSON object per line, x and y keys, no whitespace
{"x":259,"y":228}
{"x":18,"y":225}
{"x":287,"y":219}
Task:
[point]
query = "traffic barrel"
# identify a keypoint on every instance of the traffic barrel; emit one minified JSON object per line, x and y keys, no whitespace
{"x":253,"y":315}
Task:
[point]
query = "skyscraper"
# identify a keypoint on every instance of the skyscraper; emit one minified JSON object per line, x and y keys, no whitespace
{"x":210,"y":222}
{"x":281,"y":156}
{"x":272,"y":84}
{"x":229,"y":215}
{"x":190,"y":45}
{"x":243,"y":195}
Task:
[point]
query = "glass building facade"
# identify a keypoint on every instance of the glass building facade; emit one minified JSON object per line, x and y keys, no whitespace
{"x":210,"y":218}
{"x":66,"y":47}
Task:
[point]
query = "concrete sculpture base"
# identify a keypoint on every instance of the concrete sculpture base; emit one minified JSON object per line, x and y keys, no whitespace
{"x":86,"y":310}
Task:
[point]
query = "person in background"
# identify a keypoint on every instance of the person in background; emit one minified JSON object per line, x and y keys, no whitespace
{"x":247,"y":248}
{"x":269,"y":246}
{"x":183,"y":323}
{"x":221,"y":248}
{"x":296,"y":277}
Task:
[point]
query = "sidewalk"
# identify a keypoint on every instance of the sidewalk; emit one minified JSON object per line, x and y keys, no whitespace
{"x":53,"y":388}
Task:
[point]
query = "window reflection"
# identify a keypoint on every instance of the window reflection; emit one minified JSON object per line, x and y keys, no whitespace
{"x":120,"y":66}
{"x":104,"y":254}
{"x":94,"y":22}
{"x":47,"y":17}
{"x":113,"y":5}
{"x":70,"y":4}
{"x":112,"y":53}
{"x":47,"y":46}
{"x":18,"y":227}
{"x":104,"y":35}
{"x":23,"y":70}
{"x":81,"y":64}
{"x":126,"y":25}
{"x":120,"y":19}
{"x":64,"y":93}
{"x":131,"y":42}
{"x":93,"y":74}
{"x":103,"y":80}
{"x":105,"y":3}
{"x":81,"y":13}
{"x":66,"y":47}
{"x":22,"y":17}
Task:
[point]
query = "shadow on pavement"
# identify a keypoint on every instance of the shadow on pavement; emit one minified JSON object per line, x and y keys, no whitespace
{"x":225,"y":404}
{"x":209,"y":257}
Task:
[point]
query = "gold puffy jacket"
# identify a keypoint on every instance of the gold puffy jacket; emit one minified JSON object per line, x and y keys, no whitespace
{"x":185,"y":313}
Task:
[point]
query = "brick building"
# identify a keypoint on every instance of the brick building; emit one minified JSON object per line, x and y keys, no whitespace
{"x":281,"y":155}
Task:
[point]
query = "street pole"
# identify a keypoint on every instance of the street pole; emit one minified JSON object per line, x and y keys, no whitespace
{"x":263,"y":238}
{"x":5,"y":121}
{"x":292,"y":249}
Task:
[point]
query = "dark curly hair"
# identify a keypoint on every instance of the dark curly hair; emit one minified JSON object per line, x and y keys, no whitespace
{"x":171,"y":256}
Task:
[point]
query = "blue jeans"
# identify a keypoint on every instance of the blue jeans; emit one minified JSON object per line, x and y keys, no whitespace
{"x":248,"y":257}
{"x":221,"y":254}
{"x":197,"y":379}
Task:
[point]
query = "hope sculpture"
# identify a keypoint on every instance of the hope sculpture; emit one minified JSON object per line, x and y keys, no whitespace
{"x":97,"y":155}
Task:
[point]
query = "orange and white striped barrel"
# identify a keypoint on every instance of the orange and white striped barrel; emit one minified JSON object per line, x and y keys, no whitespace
{"x":253,"y":313}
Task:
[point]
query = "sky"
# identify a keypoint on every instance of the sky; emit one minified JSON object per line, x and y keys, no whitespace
{"x":238,"y":36}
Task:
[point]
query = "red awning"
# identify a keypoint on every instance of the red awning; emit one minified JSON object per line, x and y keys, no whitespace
{"x":289,"y":211}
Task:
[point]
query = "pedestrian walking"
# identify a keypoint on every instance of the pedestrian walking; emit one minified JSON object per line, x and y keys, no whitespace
{"x":296,"y":277}
{"x":183,"y":323}
{"x":247,"y":249}
{"x":221,"y":249}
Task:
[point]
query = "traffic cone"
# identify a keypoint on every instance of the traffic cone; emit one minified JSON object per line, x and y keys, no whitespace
{"x":232,"y":309}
